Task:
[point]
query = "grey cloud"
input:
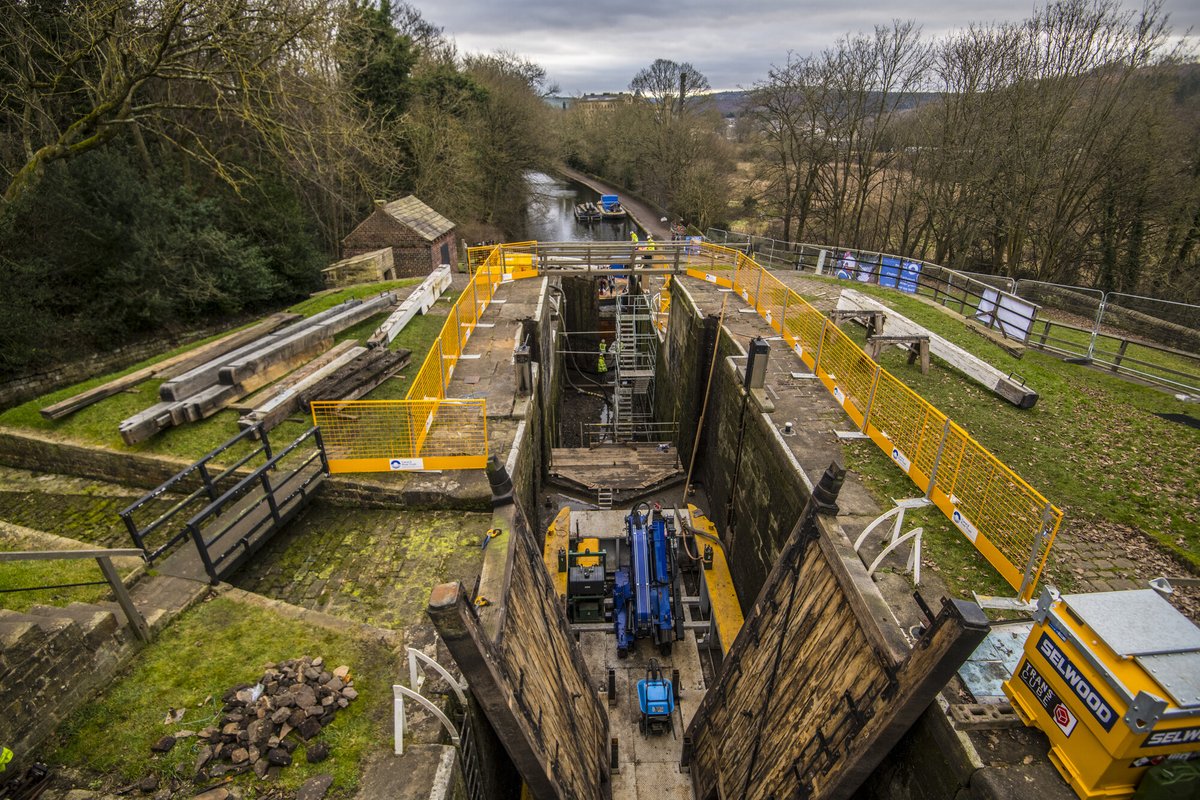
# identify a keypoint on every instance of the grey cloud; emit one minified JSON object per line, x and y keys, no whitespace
{"x":599,"y":46}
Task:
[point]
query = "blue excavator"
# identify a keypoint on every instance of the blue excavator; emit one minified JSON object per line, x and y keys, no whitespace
{"x":646,"y":587}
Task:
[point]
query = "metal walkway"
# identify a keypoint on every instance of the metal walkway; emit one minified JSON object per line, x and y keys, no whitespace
{"x":233,"y":524}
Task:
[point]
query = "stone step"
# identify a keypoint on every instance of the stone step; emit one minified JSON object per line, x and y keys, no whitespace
{"x":16,"y":634}
{"x":95,"y":623}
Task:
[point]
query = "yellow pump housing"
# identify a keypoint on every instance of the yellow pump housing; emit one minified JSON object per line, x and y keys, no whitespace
{"x":1113,"y":679}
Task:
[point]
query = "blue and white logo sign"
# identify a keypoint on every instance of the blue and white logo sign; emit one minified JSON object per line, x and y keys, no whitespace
{"x":398,"y":464}
{"x":839,"y":396}
{"x":901,"y":459}
{"x":964,"y":525}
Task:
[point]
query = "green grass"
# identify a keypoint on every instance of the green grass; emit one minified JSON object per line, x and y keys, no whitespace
{"x":98,"y":423}
{"x":1092,"y":445}
{"x":211,"y":648}
{"x":25,"y":574}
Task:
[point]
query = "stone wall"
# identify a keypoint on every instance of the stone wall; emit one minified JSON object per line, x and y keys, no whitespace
{"x":755,"y":492}
{"x":33,"y":451}
{"x":18,"y":390}
{"x":48,"y":669}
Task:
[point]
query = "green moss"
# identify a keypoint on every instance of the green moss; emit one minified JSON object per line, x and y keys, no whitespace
{"x":211,"y":648}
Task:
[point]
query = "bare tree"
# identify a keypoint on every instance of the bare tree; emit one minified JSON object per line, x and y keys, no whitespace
{"x":77,"y":78}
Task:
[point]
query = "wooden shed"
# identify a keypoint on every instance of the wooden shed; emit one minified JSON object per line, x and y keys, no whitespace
{"x":420,"y":238}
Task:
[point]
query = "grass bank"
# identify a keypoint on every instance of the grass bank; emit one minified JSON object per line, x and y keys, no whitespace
{"x":98,"y":424}
{"x":215,"y":646}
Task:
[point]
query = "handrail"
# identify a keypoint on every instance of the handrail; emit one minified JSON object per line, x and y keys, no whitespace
{"x":104,"y":558}
{"x":208,"y":488}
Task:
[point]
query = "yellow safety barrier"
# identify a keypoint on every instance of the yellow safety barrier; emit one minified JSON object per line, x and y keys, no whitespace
{"x":402,"y":435}
{"x":1007,"y":520}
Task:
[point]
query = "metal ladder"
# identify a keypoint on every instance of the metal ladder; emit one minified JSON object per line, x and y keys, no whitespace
{"x":635,"y":345}
{"x":604,"y":498}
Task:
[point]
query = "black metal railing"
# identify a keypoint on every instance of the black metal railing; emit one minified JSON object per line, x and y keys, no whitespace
{"x":215,"y":512}
{"x":208,"y":490}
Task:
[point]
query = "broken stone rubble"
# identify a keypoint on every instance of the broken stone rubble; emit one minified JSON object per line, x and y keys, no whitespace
{"x":252,"y":732}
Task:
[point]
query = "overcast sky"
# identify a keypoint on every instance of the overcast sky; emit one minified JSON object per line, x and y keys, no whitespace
{"x":599,"y":45}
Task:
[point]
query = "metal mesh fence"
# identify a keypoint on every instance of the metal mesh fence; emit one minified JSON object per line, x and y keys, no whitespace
{"x":1009,"y":522}
{"x":398,"y":435}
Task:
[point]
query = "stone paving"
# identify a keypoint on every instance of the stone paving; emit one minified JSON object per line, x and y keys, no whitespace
{"x":373,"y":566}
{"x":76,"y":508}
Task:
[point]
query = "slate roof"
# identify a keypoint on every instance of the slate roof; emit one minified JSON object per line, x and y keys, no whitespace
{"x":421,"y":218}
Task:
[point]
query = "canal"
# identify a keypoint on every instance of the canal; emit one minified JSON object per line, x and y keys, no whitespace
{"x":550,"y":212}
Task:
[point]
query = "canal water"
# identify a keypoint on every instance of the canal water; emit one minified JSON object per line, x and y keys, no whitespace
{"x":550,"y":213}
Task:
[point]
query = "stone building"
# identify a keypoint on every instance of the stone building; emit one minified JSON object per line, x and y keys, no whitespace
{"x":420,"y":238}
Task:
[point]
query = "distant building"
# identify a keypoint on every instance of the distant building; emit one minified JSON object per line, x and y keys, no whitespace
{"x":419,"y":237}
{"x":591,"y":104}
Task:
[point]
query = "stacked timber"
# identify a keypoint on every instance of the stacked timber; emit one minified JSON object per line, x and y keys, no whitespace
{"x":358,"y":377}
{"x":284,"y":398}
{"x":170,"y":367}
{"x":419,"y":302}
{"x":207,"y":388}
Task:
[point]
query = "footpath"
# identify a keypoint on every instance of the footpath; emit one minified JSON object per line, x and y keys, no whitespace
{"x":645,"y":215}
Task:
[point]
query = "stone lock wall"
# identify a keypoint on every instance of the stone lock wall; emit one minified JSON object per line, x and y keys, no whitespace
{"x":755,"y":498}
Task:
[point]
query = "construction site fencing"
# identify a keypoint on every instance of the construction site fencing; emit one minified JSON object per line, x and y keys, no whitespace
{"x":402,"y":435}
{"x":1144,"y":337}
{"x":426,"y":430}
{"x":988,"y":299}
{"x":1009,"y":522}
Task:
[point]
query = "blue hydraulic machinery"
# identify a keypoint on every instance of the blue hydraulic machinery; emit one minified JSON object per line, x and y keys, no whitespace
{"x":656,"y":700}
{"x":646,"y":589}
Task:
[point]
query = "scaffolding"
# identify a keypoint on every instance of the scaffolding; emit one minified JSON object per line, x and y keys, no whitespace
{"x":636,"y":348}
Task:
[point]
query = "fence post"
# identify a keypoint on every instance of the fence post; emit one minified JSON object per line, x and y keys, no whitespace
{"x":783,"y":315}
{"x":1026,"y":591}
{"x":871,"y":397}
{"x":321,"y":447}
{"x":208,"y":484}
{"x":1096,"y":327}
{"x":441,"y":367}
{"x":820,"y":346}
{"x":198,"y":539}
{"x":266,"y":484}
{"x":475,"y":296}
{"x":758,"y":287}
{"x":136,"y":620}
{"x":458,"y":331}
{"x":937,"y":459}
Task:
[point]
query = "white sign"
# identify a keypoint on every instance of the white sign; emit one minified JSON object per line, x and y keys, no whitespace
{"x":708,"y":276}
{"x":839,"y":396}
{"x":901,"y":459}
{"x":1014,"y":315}
{"x":397,"y":464}
{"x":964,"y":525}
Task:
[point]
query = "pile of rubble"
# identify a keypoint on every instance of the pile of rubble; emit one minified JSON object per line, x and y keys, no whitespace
{"x":261,"y":725}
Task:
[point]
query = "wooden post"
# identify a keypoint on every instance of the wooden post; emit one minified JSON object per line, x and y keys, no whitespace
{"x":459,"y":628}
{"x":136,"y":620}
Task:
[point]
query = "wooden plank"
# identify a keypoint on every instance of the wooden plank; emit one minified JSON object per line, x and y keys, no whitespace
{"x":284,"y":398}
{"x":419,"y":302}
{"x":208,"y":374}
{"x":358,"y":377}
{"x":975,"y":368}
{"x":210,"y":400}
{"x":168,"y":368}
